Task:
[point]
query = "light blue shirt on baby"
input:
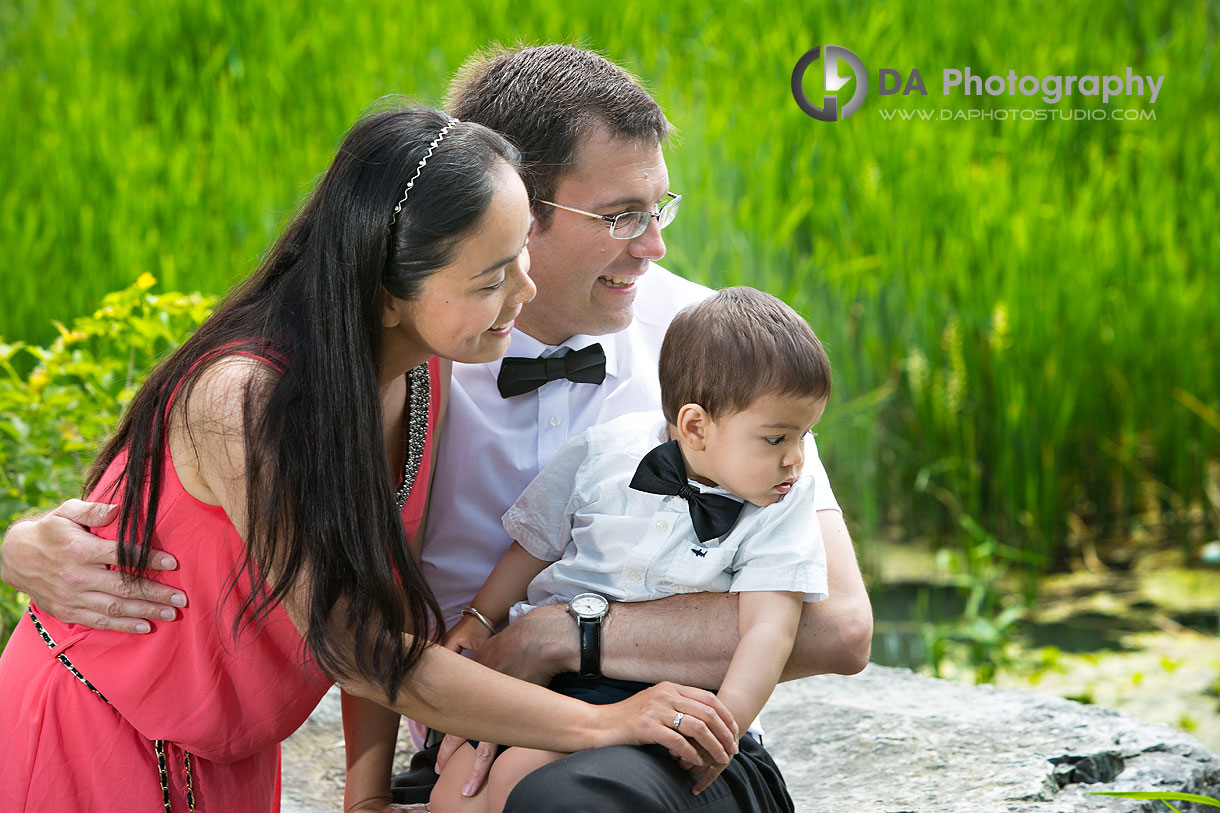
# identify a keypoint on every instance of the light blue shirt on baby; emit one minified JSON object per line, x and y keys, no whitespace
{"x":606,"y":537}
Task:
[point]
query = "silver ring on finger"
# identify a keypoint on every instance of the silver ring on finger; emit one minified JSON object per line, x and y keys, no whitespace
{"x":678,"y":720}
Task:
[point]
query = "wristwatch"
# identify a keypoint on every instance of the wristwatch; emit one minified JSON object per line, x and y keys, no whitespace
{"x":589,"y":609}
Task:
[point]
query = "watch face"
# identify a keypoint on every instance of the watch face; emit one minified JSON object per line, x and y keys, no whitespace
{"x":589,"y":604}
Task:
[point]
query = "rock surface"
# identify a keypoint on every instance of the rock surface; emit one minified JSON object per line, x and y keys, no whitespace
{"x":891,"y":741}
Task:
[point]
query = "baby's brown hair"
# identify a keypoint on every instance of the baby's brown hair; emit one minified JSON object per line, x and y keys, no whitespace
{"x":727,"y":351}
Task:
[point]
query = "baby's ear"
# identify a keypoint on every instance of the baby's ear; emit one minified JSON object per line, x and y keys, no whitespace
{"x":692,"y":426}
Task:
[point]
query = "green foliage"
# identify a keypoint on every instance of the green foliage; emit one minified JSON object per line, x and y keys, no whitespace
{"x":983,"y":639}
{"x":1163,"y":797}
{"x":1017,"y":311}
{"x":60,"y":401}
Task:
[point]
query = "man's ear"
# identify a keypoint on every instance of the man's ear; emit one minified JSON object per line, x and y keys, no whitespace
{"x":692,"y":426}
{"x":391,"y":307}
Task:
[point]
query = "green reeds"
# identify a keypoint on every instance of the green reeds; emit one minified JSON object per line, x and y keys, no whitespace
{"x":1020,"y":314}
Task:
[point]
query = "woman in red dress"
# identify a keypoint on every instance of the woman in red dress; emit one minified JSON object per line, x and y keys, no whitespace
{"x":282,"y":455}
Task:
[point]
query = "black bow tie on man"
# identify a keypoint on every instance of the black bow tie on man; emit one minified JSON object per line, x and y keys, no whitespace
{"x":663,"y":472}
{"x":519,"y":375}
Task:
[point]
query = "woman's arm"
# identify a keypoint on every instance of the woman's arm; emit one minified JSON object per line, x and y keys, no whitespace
{"x":446,"y":691}
{"x":370,"y":734}
{"x":451,"y":693}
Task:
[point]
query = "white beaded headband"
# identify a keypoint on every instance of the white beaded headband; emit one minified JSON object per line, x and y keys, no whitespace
{"x":420,"y":168}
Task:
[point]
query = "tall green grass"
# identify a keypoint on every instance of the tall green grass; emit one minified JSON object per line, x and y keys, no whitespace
{"x":1021,"y":315}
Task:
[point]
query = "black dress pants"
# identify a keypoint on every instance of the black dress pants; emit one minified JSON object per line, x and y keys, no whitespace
{"x":633,"y":779}
{"x":626,"y":779}
{"x":623,"y":778}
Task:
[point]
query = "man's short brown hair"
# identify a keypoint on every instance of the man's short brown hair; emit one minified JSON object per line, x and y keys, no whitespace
{"x":731,"y":349}
{"x":545,"y":99}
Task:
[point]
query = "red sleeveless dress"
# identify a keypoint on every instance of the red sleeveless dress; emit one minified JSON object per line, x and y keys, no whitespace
{"x":187,"y":687}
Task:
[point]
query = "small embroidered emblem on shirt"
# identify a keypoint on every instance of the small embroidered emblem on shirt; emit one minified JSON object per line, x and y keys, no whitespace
{"x":698,"y":552}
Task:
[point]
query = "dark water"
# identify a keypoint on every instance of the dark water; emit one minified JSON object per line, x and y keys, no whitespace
{"x":905,"y":612}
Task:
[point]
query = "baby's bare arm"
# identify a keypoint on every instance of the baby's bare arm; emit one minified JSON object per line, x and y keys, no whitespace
{"x":767,"y":623}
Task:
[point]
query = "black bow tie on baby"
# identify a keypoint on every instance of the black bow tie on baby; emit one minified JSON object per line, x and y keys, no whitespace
{"x":663,"y":472}
{"x":519,"y":376}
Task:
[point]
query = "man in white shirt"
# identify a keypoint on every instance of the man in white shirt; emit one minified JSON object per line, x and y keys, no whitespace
{"x":593,"y":288}
{"x":591,"y":139}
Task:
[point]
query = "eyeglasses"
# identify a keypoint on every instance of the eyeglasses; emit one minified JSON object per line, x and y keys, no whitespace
{"x":630,"y":225}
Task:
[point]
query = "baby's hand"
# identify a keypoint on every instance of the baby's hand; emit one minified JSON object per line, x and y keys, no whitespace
{"x":469,"y":633}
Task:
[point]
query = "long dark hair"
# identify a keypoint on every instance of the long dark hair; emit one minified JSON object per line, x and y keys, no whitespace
{"x":321,"y":510}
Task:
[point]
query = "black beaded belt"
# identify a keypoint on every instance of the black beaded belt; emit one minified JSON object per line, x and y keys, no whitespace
{"x":158,"y":745}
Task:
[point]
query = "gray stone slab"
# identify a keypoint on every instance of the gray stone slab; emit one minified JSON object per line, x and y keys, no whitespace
{"x":313,"y":762}
{"x":890,"y":741}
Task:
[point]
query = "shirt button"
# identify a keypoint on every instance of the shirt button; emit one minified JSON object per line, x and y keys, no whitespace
{"x":633,"y":576}
{"x":556,"y":420}
{"x":662,"y":525}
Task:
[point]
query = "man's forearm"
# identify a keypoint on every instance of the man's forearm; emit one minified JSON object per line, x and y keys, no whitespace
{"x":835,"y":636}
{"x":691,"y":639}
{"x":688,"y":639}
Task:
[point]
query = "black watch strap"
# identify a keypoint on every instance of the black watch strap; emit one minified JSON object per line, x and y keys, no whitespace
{"x":590,"y":648}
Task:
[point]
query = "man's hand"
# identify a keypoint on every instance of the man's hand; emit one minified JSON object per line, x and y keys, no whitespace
{"x":536,"y":647}
{"x":64,"y":569}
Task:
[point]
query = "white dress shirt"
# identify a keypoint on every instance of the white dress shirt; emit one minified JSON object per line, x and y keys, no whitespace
{"x":492,"y":447}
{"x":604,"y":536}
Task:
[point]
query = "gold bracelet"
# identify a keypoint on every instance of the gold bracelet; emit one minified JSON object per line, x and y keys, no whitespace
{"x":470,"y":610}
